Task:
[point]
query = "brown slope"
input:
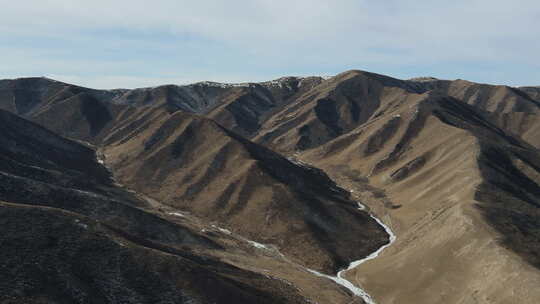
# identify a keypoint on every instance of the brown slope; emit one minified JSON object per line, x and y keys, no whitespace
{"x":34,"y":152}
{"x":331,"y":109}
{"x":193,"y":164}
{"x":533,"y":92}
{"x":350,"y":99}
{"x":75,"y":237}
{"x":491,"y":98}
{"x":63,"y":108}
{"x":41,"y":168}
{"x":521,"y":124}
{"x":451,"y":191}
{"x":82,"y":113}
{"x":80,"y":116}
{"x":26,"y":96}
{"x":312,"y":114}
{"x":22,"y":96}
{"x":191,"y":98}
{"x":285,"y":113}
{"x":514,"y":109}
{"x":246,"y":108}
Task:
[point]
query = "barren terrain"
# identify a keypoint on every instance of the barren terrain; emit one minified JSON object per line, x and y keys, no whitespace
{"x":249,"y":186}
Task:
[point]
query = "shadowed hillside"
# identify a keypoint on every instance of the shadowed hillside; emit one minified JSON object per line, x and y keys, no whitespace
{"x":54,"y":256}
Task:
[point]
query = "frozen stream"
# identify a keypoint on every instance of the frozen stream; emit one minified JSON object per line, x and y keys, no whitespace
{"x":339,"y":279}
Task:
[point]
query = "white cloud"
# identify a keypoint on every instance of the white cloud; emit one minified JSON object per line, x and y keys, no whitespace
{"x":303,"y":33}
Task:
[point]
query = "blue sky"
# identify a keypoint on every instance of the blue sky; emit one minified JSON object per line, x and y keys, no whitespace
{"x":110,"y":44}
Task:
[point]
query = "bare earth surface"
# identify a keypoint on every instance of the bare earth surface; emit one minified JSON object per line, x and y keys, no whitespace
{"x":254,"y":189}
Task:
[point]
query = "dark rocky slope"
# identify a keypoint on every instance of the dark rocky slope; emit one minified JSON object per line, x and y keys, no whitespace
{"x":54,"y":256}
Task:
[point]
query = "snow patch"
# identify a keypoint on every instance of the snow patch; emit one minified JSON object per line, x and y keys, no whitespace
{"x":280,"y":82}
{"x":78,"y":223}
{"x":225,"y":231}
{"x":258,"y":245}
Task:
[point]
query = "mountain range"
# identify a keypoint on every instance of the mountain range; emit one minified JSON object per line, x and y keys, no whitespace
{"x":259,"y":192}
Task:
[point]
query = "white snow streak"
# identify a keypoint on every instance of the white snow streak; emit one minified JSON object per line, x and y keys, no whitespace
{"x":258,"y":245}
{"x":339,"y":279}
